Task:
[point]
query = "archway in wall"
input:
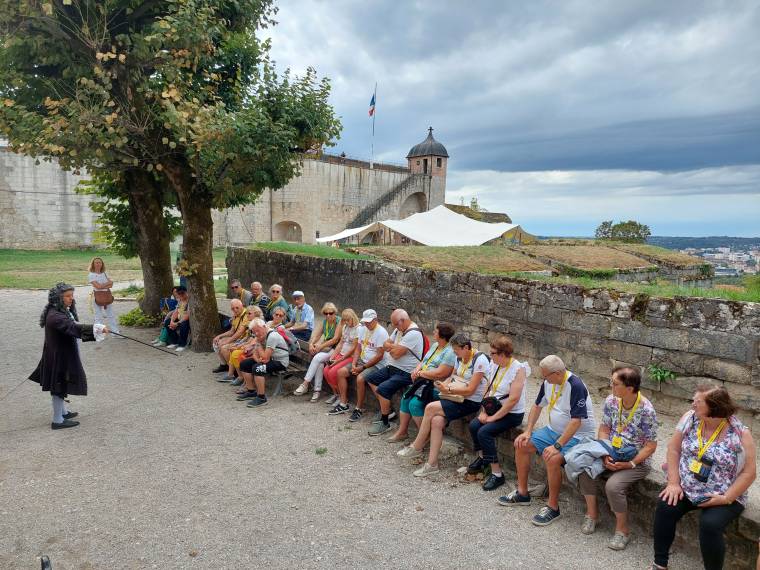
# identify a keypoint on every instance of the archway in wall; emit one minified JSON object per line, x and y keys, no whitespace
{"x":287,"y":231}
{"x":413,"y":204}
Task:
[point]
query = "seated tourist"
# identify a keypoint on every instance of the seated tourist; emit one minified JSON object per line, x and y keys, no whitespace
{"x":240,"y":292}
{"x":242,"y":348}
{"x":711,"y":465}
{"x":223,"y":343}
{"x":367,"y":357}
{"x":502,"y":408}
{"x":325,"y":336}
{"x":178,"y":329}
{"x":571,"y":417}
{"x":437,"y":364}
{"x":258,"y":298}
{"x":466,"y":385}
{"x":342,"y":356}
{"x":168,"y":306}
{"x":275,"y":300}
{"x":270,"y":355}
{"x":301,"y":323}
{"x":404,"y":349}
{"x":627,"y":439}
{"x":279,"y":318}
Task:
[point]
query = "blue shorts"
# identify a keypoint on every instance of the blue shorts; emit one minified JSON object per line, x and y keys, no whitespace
{"x":389,"y":380}
{"x":455,"y":410}
{"x":546,"y":436}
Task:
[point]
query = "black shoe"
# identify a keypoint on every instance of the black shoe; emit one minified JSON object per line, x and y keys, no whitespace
{"x":69,"y":415}
{"x":493,"y":482}
{"x":64,"y":424}
{"x":249,"y":395}
{"x":220,"y":368}
{"x":476,"y":466}
{"x":45,"y":563}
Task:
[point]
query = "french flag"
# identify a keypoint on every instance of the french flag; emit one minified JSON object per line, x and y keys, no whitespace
{"x":372,"y":106}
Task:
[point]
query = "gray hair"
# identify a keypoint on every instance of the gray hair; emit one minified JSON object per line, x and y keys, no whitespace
{"x":257,"y":322}
{"x":552,"y":364}
{"x":235,"y":282}
{"x":236,"y":302}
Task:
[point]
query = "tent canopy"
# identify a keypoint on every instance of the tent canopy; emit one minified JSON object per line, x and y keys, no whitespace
{"x":437,"y":227}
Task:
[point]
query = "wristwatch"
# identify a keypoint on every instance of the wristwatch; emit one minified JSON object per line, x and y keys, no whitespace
{"x":557,"y":446}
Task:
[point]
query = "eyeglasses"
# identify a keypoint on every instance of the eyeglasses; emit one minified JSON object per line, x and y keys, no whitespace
{"x":494,"y":352}
{"x":275,"y":291}
{"x":235,"y":287}
{"x":328,"y":313}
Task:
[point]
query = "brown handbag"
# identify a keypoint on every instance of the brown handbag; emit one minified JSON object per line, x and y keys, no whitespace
{"x":103,"y":298}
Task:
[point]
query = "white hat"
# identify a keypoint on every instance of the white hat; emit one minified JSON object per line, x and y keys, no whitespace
{"x":297,"y":294}
{"x":369,"y":315}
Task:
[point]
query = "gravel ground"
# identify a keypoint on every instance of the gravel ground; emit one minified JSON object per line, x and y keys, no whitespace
{"x":168,"y":471}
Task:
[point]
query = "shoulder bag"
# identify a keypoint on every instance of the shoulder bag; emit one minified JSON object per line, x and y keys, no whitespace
{"x":103,"y":298}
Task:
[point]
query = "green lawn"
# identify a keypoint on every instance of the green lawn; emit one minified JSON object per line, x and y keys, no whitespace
{"x":306,"y":249}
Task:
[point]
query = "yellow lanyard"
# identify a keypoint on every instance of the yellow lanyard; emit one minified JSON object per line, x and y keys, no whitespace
{"x":463,"y":367}
{"x":365,"y":342}
{"x":498,"y":378}
{"x":432,"y":356}
{"x":555,"y":397}
{"x":327,"y":334}
{"x":704,"y":447}
{"x":621,"y":425}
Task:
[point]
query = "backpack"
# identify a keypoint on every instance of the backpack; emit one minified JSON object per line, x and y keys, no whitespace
{"x":425,"y":343}
{"x":475,"y":358}
{"x":289,"y":339}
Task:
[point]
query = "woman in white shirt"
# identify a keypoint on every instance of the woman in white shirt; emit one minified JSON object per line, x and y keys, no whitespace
{"x":101,"y":283}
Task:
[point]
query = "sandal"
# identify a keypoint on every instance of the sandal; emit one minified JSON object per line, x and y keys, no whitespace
{"x":314,"y":396}
{"x":302,"y":389}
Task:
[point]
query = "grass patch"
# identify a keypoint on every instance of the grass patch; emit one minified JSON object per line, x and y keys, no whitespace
{"x":221,"y":286}
{"x":659,"y":254}
{"x":136,"y":318}
{"x":131,"y":291}
{"x":491,"y":260}
{"x":320,"y":451}
{"x":587,"y":256}
{"x":306,"y":249}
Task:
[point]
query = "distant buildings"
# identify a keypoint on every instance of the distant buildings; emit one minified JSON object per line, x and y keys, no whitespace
{"x":729,"y":262}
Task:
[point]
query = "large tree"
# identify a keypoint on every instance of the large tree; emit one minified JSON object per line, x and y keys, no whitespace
{"x":182,"y":89}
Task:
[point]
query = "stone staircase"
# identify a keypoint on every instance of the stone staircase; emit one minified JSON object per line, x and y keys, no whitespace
{"x":366,"y":215}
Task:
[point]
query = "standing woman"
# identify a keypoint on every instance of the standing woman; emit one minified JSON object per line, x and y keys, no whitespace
{"x":60,"y":370}
{"x":101,"y":290}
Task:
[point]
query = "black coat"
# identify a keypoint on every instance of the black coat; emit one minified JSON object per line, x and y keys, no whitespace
{"x":60,"y":369}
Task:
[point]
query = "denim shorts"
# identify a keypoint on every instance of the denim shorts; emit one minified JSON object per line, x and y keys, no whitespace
{"x":389,"y":380}
{"x":455,"y":410}
{"x":546,"y":436}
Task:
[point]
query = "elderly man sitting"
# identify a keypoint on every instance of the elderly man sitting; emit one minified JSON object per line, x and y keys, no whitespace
{"x":239,"y":292}
{"x":270,"y":355}
{"x":302,"y":322}
{"x":224,"y":343}
{"x":258,"y":297}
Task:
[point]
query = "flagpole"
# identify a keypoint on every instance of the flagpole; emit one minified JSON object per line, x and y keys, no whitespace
{"x":372,"y":144}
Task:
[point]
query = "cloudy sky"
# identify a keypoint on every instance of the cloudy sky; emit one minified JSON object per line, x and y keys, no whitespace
{"x":562,"y":114}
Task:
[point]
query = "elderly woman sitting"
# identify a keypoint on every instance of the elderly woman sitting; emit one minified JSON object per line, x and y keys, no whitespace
{"x":243,"y":348}
{"x":342,"y":355}
{"x":711,"y":465}
{"x":460,"y":396}
{"x":325,"y":335}
{"x":437,"y":364}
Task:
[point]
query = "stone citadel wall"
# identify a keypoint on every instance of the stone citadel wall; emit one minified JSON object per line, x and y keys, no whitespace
{"x":39,"y":208}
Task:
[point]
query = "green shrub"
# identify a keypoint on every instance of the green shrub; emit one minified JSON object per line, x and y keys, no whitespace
{"x":660,"y":374}
{"x":136,"y":318}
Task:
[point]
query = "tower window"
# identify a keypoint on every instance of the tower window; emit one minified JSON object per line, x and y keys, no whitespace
{"x":438,"y":162}
{"x":418,"y":163}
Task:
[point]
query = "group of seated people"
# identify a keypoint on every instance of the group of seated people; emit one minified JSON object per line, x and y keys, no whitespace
{"x":175,"y":328}
{"x":710,"y":457}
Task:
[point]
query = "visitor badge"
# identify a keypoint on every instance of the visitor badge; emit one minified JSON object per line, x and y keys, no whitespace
{"x":695,"y":466}
{"x":617,"y":442}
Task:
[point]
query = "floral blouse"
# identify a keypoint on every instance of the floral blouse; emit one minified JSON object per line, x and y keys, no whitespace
{"x":727,"y":455}
{"x":642,"y":427}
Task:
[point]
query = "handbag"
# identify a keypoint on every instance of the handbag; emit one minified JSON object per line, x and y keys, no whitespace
{"x":492,"y":404}
{"x":103,"y":298}
{"x":458,"y":398}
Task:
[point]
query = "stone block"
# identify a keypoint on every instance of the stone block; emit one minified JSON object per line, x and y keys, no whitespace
{"x":587,"y":366}
{"x":746,"y":397}
{"x":638,"y":333}
{"x":721,"y":344}
{"x":510,"y":308}
{"x":727,"y":370}
{"x":587,"y":323}
{"x":680,"y":362}
{"x":546,"y":315}
{"x":684,"y":386}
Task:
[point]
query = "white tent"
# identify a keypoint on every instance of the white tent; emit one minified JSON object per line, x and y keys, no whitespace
{"x":438,"y":227}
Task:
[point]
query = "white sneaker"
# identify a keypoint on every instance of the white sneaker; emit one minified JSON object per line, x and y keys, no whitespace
{"x":332,"y":400}
{"x":302,"y":389}
{"x":426,"y":470}
{"x":160,"y":343}
{"x":409,"y":452}
{"x":171,"y":346}
{"x":180,"y":348}
{"x":314,"y":397}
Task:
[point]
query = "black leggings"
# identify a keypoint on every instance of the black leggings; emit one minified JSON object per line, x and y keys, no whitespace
{"x":712,"y":523}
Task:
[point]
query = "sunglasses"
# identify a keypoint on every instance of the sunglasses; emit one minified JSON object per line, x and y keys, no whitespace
{"x":327,"y":313}
{"x":235,"y":287}
{"x":275,"y":291}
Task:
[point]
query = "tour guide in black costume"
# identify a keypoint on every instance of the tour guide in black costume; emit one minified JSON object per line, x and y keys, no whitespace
{"x":60,"y":370}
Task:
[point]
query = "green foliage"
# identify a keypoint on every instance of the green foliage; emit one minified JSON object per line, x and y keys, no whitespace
{"x":131,"y":291}
{"x":660,"y":374}
{"x":221,"y":287}
{"x":307,"y":249}
{"x":588,"y":273}
{"x":627,"y":232}
{"x":320,"y":451}
{"x":752,"y":284}
{"x":136,"y":318}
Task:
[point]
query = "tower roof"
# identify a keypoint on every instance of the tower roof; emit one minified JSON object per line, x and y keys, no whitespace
{"x":428,"y":147}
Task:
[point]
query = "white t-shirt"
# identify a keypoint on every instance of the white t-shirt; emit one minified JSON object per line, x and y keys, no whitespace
{"x":349,"y":335}
{"x":98,"y":278}
{"x":370,"y":341}
{"x":502,"y":382}
{"x":279,"y":347}
{"x":572,"y":402}
{"x":412,"y":340}
{"x":481,"y":364}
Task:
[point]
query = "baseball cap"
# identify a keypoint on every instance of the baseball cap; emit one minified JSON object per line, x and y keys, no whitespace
{"x":297,"y":294}
{"x":369,"y":315}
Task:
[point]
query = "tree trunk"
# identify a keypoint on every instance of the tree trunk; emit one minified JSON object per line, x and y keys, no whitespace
{"x":197,"y":241}
{"x":152,"y":237}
